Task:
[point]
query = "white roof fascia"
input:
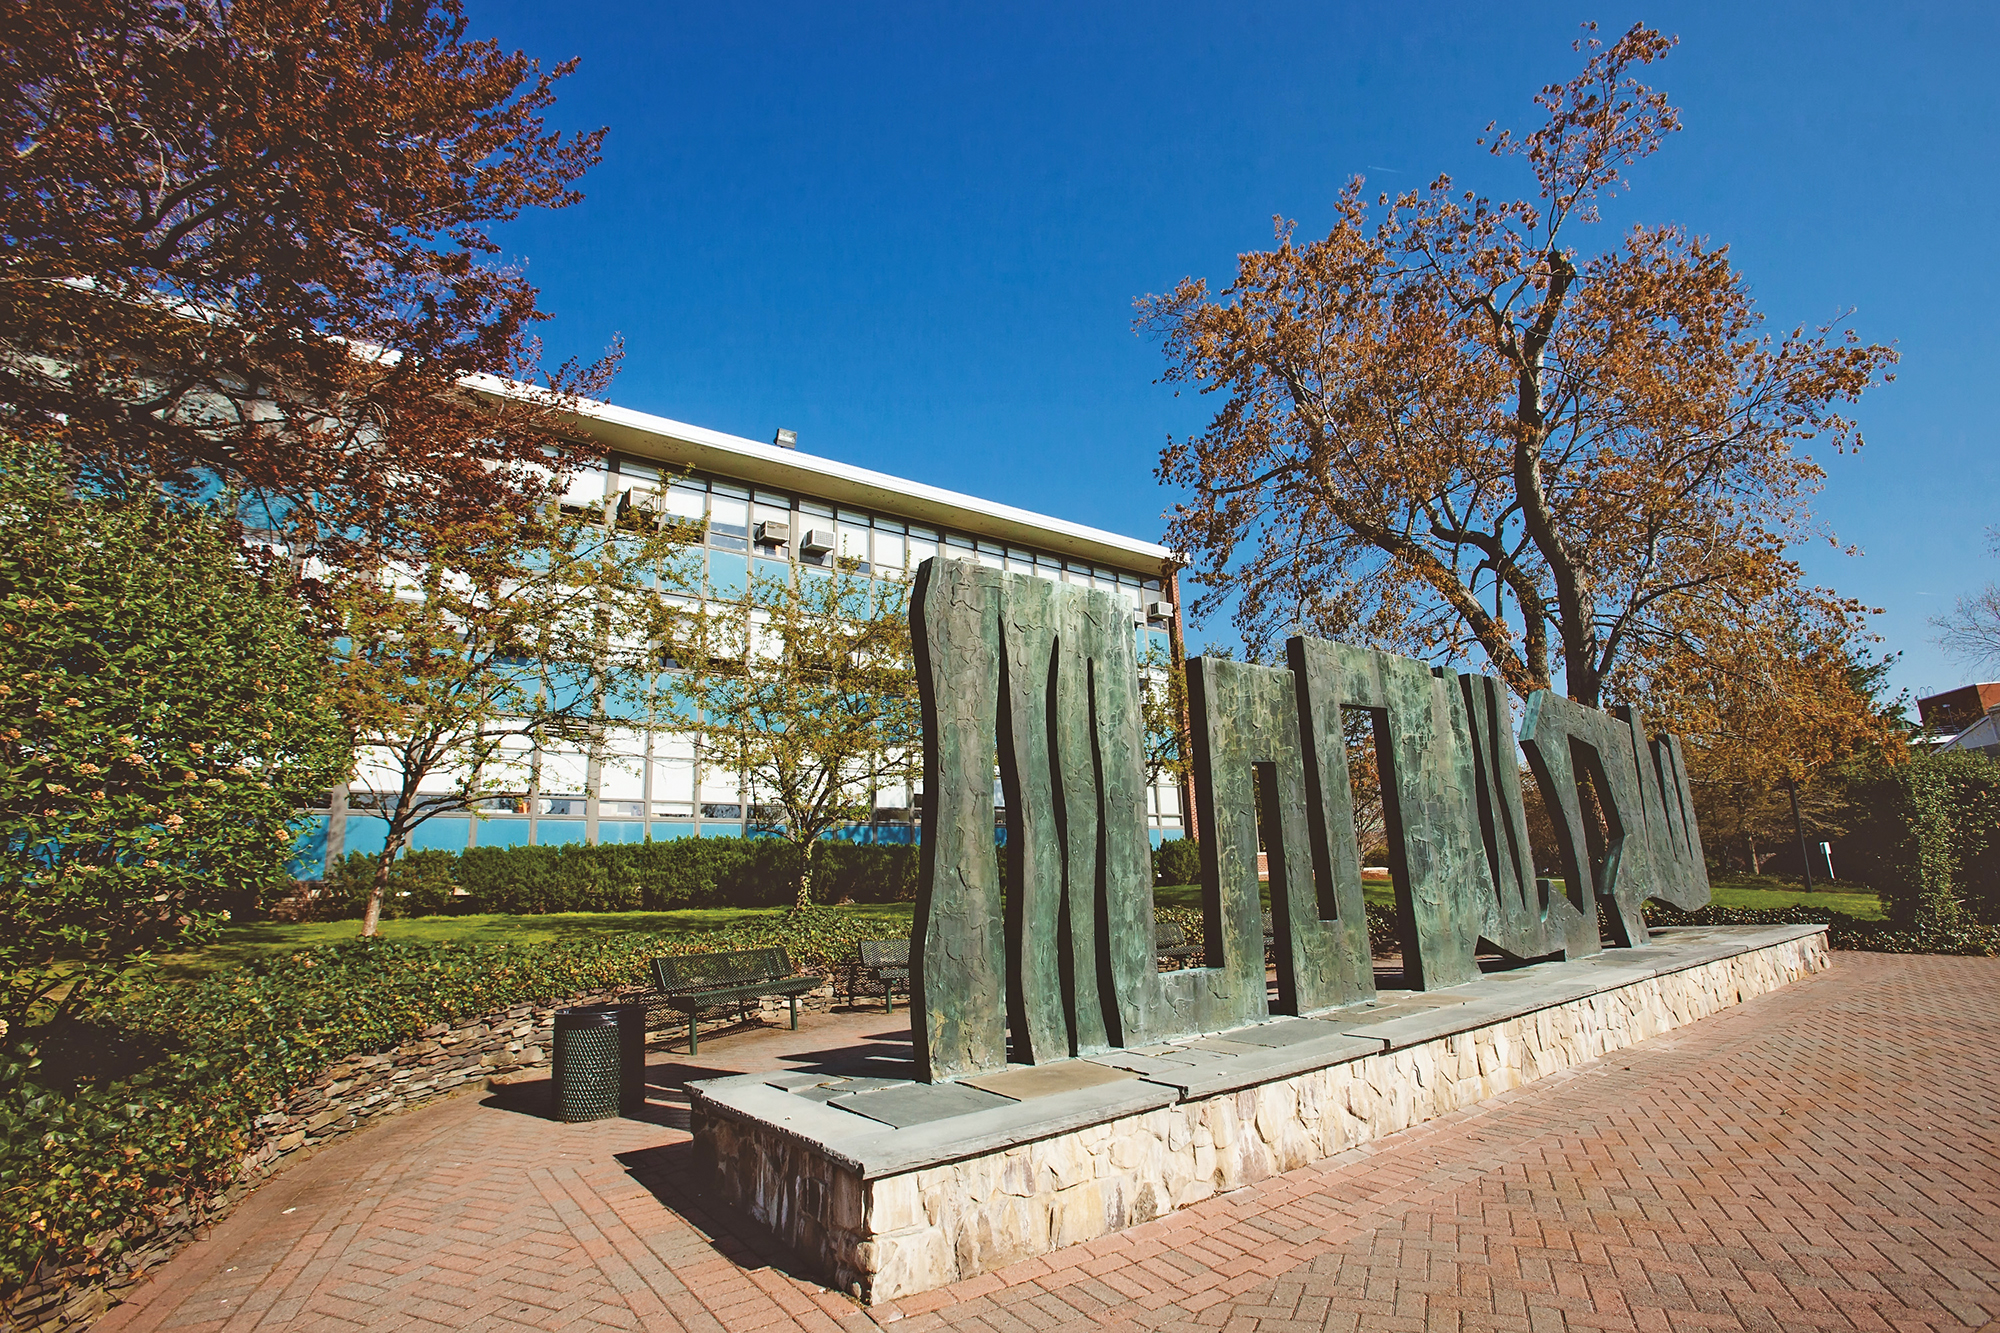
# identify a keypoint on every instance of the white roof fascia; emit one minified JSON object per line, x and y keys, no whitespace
{"x":699,"y":449}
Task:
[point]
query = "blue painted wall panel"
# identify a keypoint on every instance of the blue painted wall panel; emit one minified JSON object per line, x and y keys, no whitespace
{"x":366,"y":833}
{"x":439,"y":835}
{"x":503,"y":831}
{"x":309,"y":857}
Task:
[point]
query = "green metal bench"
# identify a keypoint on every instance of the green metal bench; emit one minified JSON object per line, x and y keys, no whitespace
{"x":1170,"y":942}
{"x":886,"y":963}
{"x":692,"y":982}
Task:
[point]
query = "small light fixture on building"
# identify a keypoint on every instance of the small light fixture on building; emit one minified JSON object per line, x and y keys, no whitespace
{"x":786,"y":439}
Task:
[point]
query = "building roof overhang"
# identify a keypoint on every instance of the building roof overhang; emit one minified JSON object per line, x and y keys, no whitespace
{"x":678,"y":445}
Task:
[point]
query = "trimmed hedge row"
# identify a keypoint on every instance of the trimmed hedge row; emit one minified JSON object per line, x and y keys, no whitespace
{"x":1844,"y":932}
{"x":620,"y":877}
{"x":649,"y":877}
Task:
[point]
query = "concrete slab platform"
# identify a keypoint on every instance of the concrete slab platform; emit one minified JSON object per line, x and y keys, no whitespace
{"x":1005,"y":1152}
{"x":1047,"y":1080}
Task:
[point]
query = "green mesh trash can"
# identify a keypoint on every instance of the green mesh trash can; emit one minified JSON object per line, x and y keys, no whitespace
{"x":588,"y":1065}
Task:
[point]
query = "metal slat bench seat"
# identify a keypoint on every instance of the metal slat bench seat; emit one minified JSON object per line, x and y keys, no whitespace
{"x":1170,"y":942}
{"x":886,"y":963}
{"x":692,"y":982}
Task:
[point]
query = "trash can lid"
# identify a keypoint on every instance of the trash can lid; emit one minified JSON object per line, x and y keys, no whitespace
{"x":587,"y":1018}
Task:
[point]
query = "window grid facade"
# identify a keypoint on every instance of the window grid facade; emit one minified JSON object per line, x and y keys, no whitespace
{"x":648,"y":777}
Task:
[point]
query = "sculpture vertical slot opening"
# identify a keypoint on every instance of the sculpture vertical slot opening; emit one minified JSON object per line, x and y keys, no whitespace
{"x":1013,"y":868}
{"x":1100,"y":885}
{"x":1272,"y":885}
{"x":1603,"y":834}
{"x":1543,"y":850}
{"x":1066,"y":962}
{"x":1363,"y":732}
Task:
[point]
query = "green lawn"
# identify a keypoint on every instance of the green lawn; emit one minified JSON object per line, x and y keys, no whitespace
{"x":1864,"y":905}
{"x":241,"y":943}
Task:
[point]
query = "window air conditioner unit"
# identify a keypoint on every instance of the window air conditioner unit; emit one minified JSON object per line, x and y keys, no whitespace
{"x":1159,"y":610}
{"x":816,"y":541}
{"x":774,"y":532}
{"x":636,"y":501}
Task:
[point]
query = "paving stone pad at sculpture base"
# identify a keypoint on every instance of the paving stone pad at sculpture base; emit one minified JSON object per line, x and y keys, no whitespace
{"x":895,"y":1189}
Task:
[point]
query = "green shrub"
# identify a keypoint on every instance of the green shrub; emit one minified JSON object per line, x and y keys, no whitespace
{"x":621,"y":877}
{"x":1177,"y":862}
{"x":1928,"y":840}
{"x":162,"y":721}
{"x":1844,"y":931}
{"x":420,"y":884}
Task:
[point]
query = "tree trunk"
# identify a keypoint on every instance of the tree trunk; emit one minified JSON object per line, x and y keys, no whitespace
{"x":1756,"y":861}
{"x":371,"y":919}
{"x":805,"y":898}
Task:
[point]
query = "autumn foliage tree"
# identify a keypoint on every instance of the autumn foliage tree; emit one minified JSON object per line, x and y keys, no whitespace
{"x":1778,"y":714}
{"x":1447,"y":429}
{"x":248,"y":245}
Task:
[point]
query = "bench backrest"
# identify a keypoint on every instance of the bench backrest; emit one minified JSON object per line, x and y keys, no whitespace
{"x":712,"y":971}
{"x":1167,"y":935}
{"x":885,"y":953}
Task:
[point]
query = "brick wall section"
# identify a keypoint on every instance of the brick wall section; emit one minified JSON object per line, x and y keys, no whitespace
{"x":347,"y":1095}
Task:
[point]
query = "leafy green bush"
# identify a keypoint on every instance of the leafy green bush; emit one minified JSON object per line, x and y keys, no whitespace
{"x":1845,"y":932}
{"x":162,"y":721}
{"x":1177,"y":862}
{"x":420,"y":884}
{"x":1928,"y":840}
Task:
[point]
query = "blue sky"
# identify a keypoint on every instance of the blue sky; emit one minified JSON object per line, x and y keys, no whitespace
{"x":914,"y":235}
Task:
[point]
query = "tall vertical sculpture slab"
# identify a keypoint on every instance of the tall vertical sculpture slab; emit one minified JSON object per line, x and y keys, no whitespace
{"x":1534,"y":921}
{"x":1444,"y":895}
{"x":1041,"y":680}
{"x":958,"y":957}
{"x":1254,"y":785}
{"x":1676,"y":872}
{"x":1568,"y":744}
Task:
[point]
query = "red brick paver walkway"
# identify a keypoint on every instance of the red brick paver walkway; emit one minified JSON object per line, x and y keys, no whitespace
{"x":1824,"y":1157}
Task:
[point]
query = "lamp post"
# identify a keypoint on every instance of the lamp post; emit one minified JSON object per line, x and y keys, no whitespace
{"x":1799,"y":827}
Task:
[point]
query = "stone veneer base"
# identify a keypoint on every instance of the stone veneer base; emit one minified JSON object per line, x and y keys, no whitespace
{"x":887,"y":1212}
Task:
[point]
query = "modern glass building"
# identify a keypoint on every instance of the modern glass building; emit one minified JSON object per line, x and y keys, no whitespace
{"x":762,"y":507}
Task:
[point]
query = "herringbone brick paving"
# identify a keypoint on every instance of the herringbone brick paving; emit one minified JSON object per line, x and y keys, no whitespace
{"x":1821,"y":1158}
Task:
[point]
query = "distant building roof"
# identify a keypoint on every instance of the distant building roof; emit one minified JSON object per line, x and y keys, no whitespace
{"x":1955,"y":710}
{"x":675,"y":442}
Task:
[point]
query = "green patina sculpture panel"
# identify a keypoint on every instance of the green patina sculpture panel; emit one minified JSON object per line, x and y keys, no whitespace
{"x":958,"y":964}
{"x":1040,"y":680}
{"x":1534,"y":920}
{"x":1444,"y":896}
{"x":1252,"y":778}
{"x":1678,"y":874}
{"x":1567,"y":744}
